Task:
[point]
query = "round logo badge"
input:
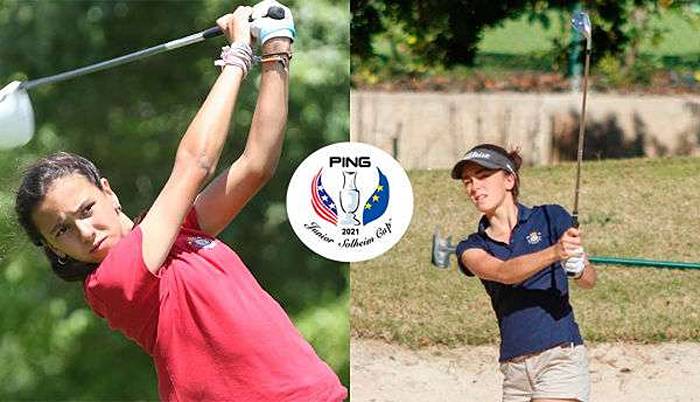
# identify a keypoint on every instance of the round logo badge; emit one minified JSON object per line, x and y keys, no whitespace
{"x":349,"y":202}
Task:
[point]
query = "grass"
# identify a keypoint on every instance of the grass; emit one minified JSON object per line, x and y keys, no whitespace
{"x":520,"y":36}
{"x":646,"y":208}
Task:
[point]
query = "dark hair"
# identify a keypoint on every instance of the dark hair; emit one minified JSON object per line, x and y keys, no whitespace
{"x":36,"y":182}
{"x":514,"y":157}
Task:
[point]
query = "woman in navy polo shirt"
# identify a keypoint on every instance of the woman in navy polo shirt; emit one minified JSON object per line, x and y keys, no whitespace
{"x":524,"y":257}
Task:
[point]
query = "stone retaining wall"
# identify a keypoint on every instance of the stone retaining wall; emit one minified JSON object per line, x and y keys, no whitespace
{"x":432,"y":130}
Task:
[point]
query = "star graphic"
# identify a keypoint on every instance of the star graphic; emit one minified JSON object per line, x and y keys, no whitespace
{"x":368,"y":206}
{"x":380,"y":188}
{"x":375,"y":198}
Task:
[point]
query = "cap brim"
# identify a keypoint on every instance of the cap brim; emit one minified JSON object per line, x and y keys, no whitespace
{"x":459,"y":166}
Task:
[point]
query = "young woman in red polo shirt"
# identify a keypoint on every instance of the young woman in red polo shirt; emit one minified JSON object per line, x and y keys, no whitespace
{"x":166,"y":282}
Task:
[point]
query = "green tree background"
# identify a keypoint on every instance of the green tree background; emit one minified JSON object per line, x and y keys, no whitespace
{"x":448,"y":31}
{"x":129,"y":121}
{"x":408,"y":38}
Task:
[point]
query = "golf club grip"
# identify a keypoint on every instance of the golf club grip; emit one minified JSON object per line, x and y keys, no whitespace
{"x":575,"y":223}
{"x":212,"y":32}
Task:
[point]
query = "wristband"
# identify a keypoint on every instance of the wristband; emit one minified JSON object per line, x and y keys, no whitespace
{"x":280,"y":57}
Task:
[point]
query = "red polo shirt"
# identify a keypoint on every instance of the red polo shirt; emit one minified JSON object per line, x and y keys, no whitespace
{"x":213,"y":332}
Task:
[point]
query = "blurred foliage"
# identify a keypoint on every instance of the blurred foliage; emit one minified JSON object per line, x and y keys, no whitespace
{"x":440,"y":32}
{"x":129,"y":120}
{"x":404,"y":38}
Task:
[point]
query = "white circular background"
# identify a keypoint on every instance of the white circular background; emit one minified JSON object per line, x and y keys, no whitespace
{"x":398,"y":213}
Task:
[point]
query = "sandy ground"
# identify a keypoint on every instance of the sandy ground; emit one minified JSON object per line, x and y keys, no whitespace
{"x":382,"y":372}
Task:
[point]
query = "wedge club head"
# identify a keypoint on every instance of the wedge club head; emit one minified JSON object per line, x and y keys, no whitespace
{"x":582,"y":24}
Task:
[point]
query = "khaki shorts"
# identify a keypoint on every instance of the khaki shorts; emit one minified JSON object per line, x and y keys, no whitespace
{"x":558,"y":373}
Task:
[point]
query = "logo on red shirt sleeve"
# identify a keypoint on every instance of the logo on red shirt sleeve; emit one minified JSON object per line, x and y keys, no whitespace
{"x":200,"y":242}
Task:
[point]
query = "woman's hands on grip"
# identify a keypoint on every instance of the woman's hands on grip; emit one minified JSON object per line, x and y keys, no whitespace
{"x":236,"y":26}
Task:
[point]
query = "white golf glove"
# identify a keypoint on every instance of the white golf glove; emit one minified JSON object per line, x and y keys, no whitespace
{"x":266,"y":24}
{"x":575,"y":265}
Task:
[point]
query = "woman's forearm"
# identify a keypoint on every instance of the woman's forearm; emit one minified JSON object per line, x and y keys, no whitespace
{"x":204,"y":139}
{"x":588,"y":278}
{"x":518,"y":269}
{"x":266,"y":135}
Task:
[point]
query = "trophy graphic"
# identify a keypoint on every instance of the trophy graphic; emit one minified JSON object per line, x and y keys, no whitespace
{"x":349,"y":199}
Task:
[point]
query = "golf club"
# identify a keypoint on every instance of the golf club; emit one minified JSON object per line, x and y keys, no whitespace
{"x":582,"y":24}
{"x":17,"y":114}
{"x":443,"y":249}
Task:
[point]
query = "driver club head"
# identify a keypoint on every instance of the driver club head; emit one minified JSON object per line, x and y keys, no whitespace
{"x":582,"y":24}
{"x":16,"y":116}
{"x":442,"y":249}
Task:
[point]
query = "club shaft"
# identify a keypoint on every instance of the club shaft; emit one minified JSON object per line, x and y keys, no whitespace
{"x":138,"y":55}
{"x":581,"y":132}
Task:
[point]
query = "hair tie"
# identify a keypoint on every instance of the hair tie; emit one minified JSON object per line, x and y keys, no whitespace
{"x":238,"y":54}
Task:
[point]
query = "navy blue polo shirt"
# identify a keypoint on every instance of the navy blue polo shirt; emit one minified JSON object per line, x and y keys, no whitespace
{"x":534,"y":315}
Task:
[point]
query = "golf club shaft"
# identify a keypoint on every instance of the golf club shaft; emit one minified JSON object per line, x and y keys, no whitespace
{"x":581,"y":132}
{"x":141,"y":54}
